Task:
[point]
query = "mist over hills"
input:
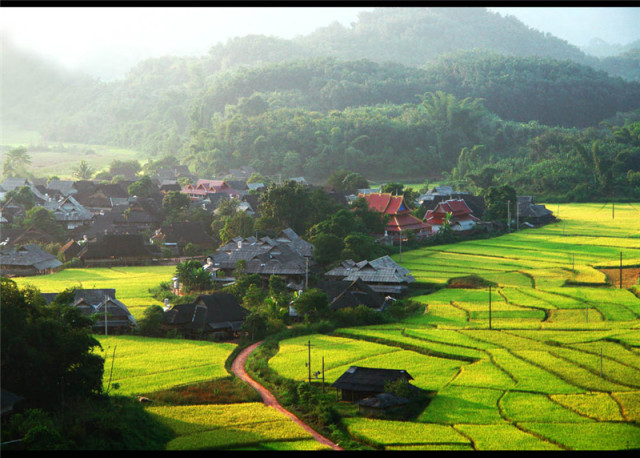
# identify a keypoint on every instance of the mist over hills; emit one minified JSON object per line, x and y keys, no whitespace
{"x":380,"y":67}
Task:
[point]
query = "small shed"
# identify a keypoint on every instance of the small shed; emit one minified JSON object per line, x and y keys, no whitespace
{"x":358,"y":383}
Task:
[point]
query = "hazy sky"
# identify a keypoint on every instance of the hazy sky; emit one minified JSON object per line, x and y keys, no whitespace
{"x":107,"y":41}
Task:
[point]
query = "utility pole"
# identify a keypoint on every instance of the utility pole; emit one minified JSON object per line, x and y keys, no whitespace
{"x":621,"y":270}
{"x":489,"y":306}
{"x":106,"y":299}
{"x":309,"y":364}
{"x":323,"y":374}
{"x":509,"y":214}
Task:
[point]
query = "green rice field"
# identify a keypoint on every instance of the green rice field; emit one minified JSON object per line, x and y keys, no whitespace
{"x":559,"y":369}
{"x":554,"y":364}
{"x":131,"y":283}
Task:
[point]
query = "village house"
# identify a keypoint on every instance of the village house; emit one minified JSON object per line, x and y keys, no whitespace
{"x":27,"y":260}
{"x":215,"y":315}
{"x":118,"y":249}
{"x":534,"y":214}
{"x":362,"y":382}
{"x":98,"y":302}
{"x":461,"y":217}
{"x":69,"y":212}
{"x":351,"y":294}
{"x":383,"y":275}
{"x":176,"y":236}
{"x":203,"y":187}
{"x":287,"y":255}
{"x":433,"y":197}
{"x":401,"y":221}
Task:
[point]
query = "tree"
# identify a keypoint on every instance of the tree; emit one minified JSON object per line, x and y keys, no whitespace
{"x":129,"y":169}
{"x":359,"y":246}
{"x":192,"y":276}
{"x":174,"y":203}
{"x":141,"y":188}
{"x":238,"y":225}
{"x":313,"y":305}
{"x":343,"y":180}
{"x":22,"y":196}
{"x":497,"y":199}
{"x":151,"y":324}
{"x":47,"y":350}
{"x":16,"y":162}
{"x":287,"y":206}
{"x":327,"y":248}
{"x":83,"y":171}
{"x":43,"y":219}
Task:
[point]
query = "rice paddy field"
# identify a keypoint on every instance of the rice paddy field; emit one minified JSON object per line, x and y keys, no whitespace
{"x":140,"y":366}
{"x":558,"y":366}
{"x":131,"y":283}
{"x":548,"y":360}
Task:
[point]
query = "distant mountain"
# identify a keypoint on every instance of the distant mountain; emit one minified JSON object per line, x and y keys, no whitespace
{"x":600,"y":48}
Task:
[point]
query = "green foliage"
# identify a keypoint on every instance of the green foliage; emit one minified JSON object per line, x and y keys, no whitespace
{"x":83,"y":171}
{"x":47,"y":353}
{"x":150,"y":324}
{"x":174,"y":203}
{"x":141,"y":188}
{"x":313,"y":305}
{"x":192,"y":276}
{"x":44,"y":220}
{"x":500,"y":201}
{"x":128,"y":169}
{"x":22,"y":196}
{"x":16,"y":162}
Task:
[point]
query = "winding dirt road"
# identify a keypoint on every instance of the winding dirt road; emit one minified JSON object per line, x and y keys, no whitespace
{"x":269,"y":399}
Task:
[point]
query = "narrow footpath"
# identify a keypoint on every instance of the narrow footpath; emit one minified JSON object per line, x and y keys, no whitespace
{"x":269,"y":399}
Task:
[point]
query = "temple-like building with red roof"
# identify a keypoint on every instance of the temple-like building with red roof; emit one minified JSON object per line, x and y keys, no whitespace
{"x":401,"y":219}
{"x":461,"y":219}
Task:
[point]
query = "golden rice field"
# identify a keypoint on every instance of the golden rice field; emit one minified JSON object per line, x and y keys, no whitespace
{"x":558,"y":369}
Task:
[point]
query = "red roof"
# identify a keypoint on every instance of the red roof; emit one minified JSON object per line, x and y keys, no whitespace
{"x":458,"y":209}
{"x":386,"y":203}
{"x":406,"y":222}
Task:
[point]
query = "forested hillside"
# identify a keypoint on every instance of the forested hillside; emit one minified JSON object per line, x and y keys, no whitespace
{"x":399,"y":94}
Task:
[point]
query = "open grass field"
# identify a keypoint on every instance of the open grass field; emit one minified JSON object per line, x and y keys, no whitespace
{"x":59,"y":159}
{"x":559,"y":368}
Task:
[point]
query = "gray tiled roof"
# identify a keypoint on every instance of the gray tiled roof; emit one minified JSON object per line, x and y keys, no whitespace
{"x":29,"y":255}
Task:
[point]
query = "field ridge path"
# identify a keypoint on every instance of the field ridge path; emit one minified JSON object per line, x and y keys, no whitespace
{"x":237,"y":367}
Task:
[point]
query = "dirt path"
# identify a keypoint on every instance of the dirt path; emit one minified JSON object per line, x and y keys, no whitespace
{"x":269,"y":399}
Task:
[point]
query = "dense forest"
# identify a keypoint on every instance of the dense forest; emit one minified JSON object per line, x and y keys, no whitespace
{"x":403,"y":93}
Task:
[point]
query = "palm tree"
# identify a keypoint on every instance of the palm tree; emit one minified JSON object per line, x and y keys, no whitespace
{"x":83,"y":171}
